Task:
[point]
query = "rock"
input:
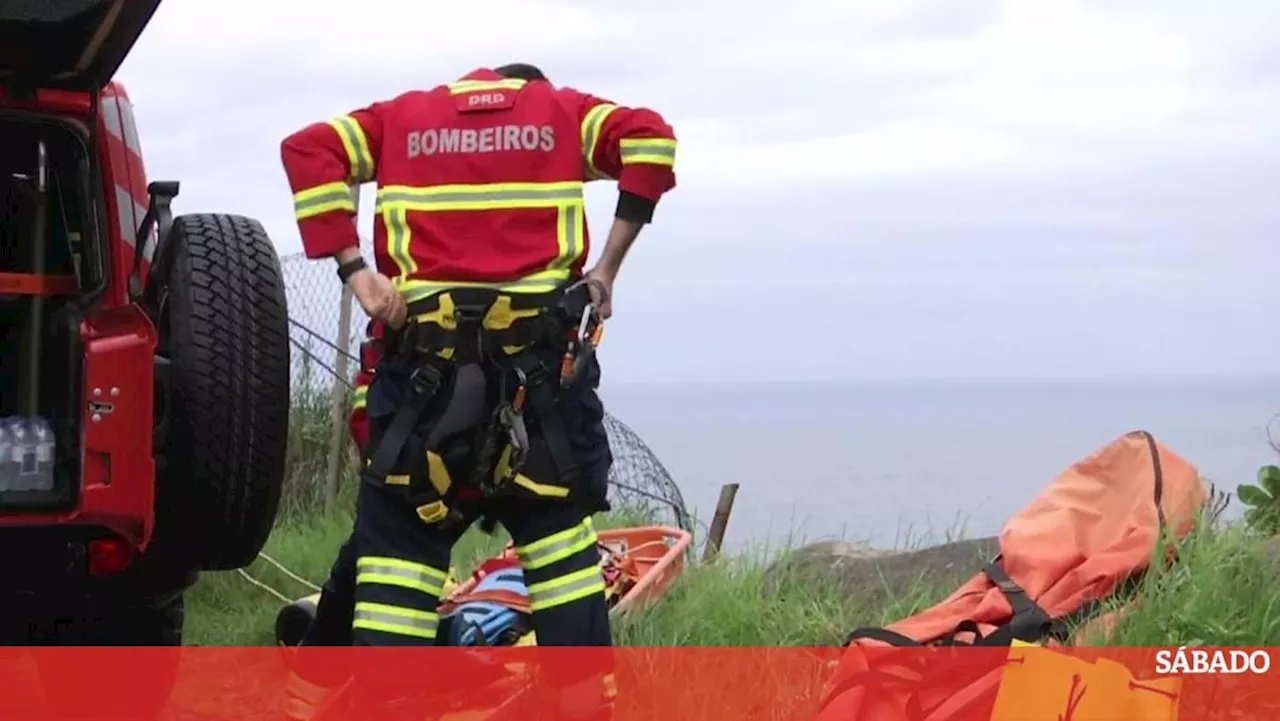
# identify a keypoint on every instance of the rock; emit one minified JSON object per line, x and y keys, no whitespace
{"x":872,"y":575}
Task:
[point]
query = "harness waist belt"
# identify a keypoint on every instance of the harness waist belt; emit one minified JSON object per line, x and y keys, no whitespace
{"x":451,"y":341}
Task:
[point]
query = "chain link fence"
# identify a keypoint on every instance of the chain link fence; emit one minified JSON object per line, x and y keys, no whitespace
{"x":327,"y":359}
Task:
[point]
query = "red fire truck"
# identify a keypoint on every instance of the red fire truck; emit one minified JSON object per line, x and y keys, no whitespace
{"x":150,"y":348}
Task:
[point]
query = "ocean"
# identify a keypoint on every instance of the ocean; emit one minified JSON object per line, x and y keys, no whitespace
{"x":899,"y":463}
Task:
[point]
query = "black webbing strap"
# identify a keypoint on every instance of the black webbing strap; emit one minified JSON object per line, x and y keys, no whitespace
{"x":1028,"y":622}
{"x":883,"y":635}
{"x":429,"y":337}
{"x":470,"y":307}
{"x":541,"y":390}
{"x":969,"y":627}
{"x":413,"y":413}
{"x":470,"y":342}
{"x":414,"y":346}
{"x":424,"y":384}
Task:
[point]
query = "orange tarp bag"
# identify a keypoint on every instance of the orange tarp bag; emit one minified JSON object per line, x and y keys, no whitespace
{"x":1095,"y":528}
{"x":1039,"y":683}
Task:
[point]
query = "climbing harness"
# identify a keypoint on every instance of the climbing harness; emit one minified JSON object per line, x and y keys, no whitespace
{"x":473,"y":385}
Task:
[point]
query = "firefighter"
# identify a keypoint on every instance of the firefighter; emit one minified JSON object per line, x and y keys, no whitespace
{"x":482,"y":398}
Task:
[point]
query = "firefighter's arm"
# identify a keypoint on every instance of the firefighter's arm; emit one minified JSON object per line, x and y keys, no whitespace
{"x":634,"y":146}
{"x":322,"y":162}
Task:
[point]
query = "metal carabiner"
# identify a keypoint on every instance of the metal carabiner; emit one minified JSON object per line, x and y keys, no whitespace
{"x":517,"y":436}
{"x":585,"y":324}
{"x":522,"y":391}
{"x":584,"y":346}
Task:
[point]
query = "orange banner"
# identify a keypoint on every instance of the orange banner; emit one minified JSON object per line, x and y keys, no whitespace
{"x":742,"y":684}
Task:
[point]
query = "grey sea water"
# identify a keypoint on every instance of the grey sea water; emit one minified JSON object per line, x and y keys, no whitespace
{"x":890,"y":462}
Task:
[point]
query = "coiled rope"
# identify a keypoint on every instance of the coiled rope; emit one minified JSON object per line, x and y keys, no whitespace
{"x":271,"y":589}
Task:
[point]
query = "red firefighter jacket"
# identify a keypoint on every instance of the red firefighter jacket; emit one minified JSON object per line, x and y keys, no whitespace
{"x":479,"y":183}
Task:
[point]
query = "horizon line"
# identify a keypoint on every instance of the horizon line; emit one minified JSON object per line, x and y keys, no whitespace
{"x":1235,"y":375}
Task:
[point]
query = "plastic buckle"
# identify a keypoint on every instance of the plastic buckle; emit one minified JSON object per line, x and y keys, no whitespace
{"x":433,"y":512}
{"x":425,"y":379}
{"x":469,"y":321}
{"x":534,"y":374}
{"x":464,"y":314}
{"x":368,"y":476}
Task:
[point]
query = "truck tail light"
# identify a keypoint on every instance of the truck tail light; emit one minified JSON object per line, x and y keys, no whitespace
{"x":109,"y":556}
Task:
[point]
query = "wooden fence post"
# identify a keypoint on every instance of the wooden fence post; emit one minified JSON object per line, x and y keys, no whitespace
{"x":719,"y":522}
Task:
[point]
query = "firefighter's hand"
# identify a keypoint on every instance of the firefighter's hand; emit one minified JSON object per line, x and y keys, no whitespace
{"x":379,"y":298}
{"x":600,"y":285}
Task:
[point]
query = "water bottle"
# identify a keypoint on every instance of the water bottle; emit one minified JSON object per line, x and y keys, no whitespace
{"x":44,"y":446}
{"x":6,"y":453}
{"x":24,"y":454}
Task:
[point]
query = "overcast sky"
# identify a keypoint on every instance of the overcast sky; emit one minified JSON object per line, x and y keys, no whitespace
{"x":887,"y":188}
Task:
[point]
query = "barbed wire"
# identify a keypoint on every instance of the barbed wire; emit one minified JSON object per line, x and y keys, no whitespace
{"x":637,"y":480}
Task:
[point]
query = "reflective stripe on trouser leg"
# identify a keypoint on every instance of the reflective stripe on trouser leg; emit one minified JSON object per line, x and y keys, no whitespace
{"x":570,"y":587}
{"x":566,"y":587}
{"x":302,"y":697}
{"x":557,"y":546}
{"x":397,"y":598}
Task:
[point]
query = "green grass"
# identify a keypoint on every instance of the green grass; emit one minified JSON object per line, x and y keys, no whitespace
{"x":1223,"y":589}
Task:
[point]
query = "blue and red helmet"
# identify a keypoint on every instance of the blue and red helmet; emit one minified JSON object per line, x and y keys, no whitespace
{"x":489,"y":623}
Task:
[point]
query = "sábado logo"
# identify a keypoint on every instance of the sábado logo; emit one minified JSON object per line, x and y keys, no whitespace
{"x":1204,"y":660}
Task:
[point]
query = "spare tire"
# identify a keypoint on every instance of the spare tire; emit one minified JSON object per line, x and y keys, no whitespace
{"x":221,"y":449}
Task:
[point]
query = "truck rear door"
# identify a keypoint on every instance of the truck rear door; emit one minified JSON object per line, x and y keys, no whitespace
{"x":74,"y":45}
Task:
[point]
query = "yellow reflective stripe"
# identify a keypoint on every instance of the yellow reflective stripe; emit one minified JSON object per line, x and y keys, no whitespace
{"x":296,"y":708}
{"x":422,"y":568}
{"x":544,"y":281}
{"x":322,"y":199}
{"x":360,"y":397}
{"x":610,"y":686}
{"x":359,"y":158}
{"x":565,"y":589}
{"x":438,"y":473}
{"x":397,"y":222}
{"x":304,"y":690}
{"x":395,"y":620}
{"x":490,"y":196}
{"x":591,"y":125}
{"x":542,"y":489}
{"x":397,"y":572}
{"x":468,"y":86}
{"x":396,"y":201}
{"x":570,"y":227}
{"x":654,"y":151}
{"x":556,"y":547}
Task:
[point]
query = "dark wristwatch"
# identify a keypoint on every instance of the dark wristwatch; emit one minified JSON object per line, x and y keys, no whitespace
{"x":350,"y":268}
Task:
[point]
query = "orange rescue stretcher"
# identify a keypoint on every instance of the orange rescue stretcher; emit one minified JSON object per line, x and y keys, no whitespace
{"x":639,"y":564}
